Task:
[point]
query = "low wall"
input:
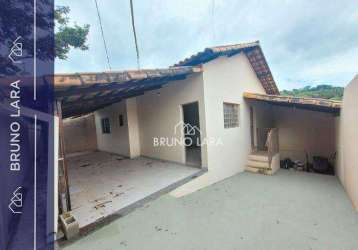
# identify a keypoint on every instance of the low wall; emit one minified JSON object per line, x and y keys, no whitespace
{"x":80,"y":134}
{"x":347,"y":138}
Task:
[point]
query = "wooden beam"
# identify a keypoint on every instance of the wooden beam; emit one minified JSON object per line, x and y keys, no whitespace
{"x":62,"y":92}
{"x":317,"y":104}
{"x":90,"y":107}
{"x":149,"y":86}
{"x":62,"y":159}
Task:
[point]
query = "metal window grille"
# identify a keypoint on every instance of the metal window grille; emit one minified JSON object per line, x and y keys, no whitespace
{"x":106,"y":127}
{"x":231,"y":115}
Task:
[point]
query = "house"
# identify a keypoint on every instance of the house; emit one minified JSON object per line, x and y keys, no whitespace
{"x":132,"y":148}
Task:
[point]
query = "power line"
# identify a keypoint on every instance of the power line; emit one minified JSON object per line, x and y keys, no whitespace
{"x":213,"y":20}
{"x":104,"y":40}
{"x":135,"y":34}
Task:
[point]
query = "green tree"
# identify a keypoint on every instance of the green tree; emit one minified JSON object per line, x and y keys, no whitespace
{"x":66,"y":36}
{"x":16,"y":20}
{"x":320,"y":91}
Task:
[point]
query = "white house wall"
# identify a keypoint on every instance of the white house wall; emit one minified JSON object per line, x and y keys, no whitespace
{"x":133,"y":127}
{"x":80,"y":134}
{"x":159,"y":111}
{"x":118,"y":140}
{"x":225,"y":80}
{"x":152,"y":115}
{"x":347,"y":125}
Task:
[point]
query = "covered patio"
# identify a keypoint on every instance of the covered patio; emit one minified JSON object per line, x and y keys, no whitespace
{"x":105,"y":168}
{"x":103,"y":184}
{"x":294,"y":129}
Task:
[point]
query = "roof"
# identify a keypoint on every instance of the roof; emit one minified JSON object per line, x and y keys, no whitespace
{"x":254,"y":54}
{"x":315,"y":104}
{"x":82,"y":93}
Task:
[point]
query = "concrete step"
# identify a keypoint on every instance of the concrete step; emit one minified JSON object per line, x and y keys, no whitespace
{"x":258,"y":170}
{"x":259,"y":156}
{"x":258,"y":164}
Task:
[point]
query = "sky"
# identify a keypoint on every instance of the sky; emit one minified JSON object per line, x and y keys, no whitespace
{"x":305,"y":42}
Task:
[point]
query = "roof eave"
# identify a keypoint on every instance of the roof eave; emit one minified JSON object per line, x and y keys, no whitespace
{"x":252,"y":50}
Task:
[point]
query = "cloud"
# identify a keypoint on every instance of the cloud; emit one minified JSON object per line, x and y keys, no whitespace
{"x":305,"y":42}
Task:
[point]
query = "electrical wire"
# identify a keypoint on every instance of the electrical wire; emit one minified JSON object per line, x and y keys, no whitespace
{"x":213,"y":20}
{"x":104,"y":40}
{"x":135,"y":34}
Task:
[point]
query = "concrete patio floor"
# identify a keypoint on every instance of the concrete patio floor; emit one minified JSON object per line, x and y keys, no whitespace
{"x":102,"y":184}
{"x":289,"y":210}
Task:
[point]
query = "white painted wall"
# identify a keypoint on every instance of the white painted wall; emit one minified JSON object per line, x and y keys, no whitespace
{"x":347,"y":162}
{"x":80,"y":134}
{"x":152,"y":115}
{"x":123,"y":140}
{"x":302,"y":131}
{"x":133,"y":127}
{"x":160,"y":110}
{"x":225,"y":80}
{"x":118,"y":140}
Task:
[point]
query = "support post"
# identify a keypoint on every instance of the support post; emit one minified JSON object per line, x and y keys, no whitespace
{"x":62,"y":156}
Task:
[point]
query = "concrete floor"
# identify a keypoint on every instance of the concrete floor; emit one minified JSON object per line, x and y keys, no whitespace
{"x":289,"y":210}
{"x":102,"y":183}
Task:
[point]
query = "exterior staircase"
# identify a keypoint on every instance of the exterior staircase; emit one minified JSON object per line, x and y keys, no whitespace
{"x":259,"y":162}
{"x":266,"y":162}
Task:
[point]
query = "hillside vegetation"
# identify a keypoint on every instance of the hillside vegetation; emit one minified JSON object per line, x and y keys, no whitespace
{"x":319,"y":91}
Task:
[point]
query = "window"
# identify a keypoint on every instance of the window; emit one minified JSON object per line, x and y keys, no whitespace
{"x":106,"y":127}
{"x":231,"y":115}
{"x":121,"y":120}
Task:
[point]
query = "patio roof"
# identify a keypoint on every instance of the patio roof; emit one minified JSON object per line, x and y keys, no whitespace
{"x":82,"y":93}
{"x":315,"y":104}
{"x":253,"y":52}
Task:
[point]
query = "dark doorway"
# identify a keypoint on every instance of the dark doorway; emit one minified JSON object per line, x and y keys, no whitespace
{"x":192,"y":134}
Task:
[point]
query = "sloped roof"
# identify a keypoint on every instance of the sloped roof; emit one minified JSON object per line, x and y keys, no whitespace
{"x":253,"y":52}
{"x":82,"y":93}
{"x":315,"y":104}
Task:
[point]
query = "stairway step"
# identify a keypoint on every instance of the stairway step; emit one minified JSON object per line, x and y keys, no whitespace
{"x":251,"y":169}
{"x":258,"y":170}
{"x":258,"y":164}
{"x":258,"y":157}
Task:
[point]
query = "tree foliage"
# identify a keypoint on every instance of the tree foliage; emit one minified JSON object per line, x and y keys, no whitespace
{"x":16,"y":20}
{"x":66,"y":36}
{"x":320,"y":91}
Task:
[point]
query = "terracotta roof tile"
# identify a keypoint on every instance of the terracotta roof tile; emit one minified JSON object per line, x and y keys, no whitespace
{"x":254,"y":54}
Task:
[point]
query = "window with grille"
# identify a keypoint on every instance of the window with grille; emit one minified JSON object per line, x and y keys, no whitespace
{"x":106,"y":127}
{"x":231,"y":115}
